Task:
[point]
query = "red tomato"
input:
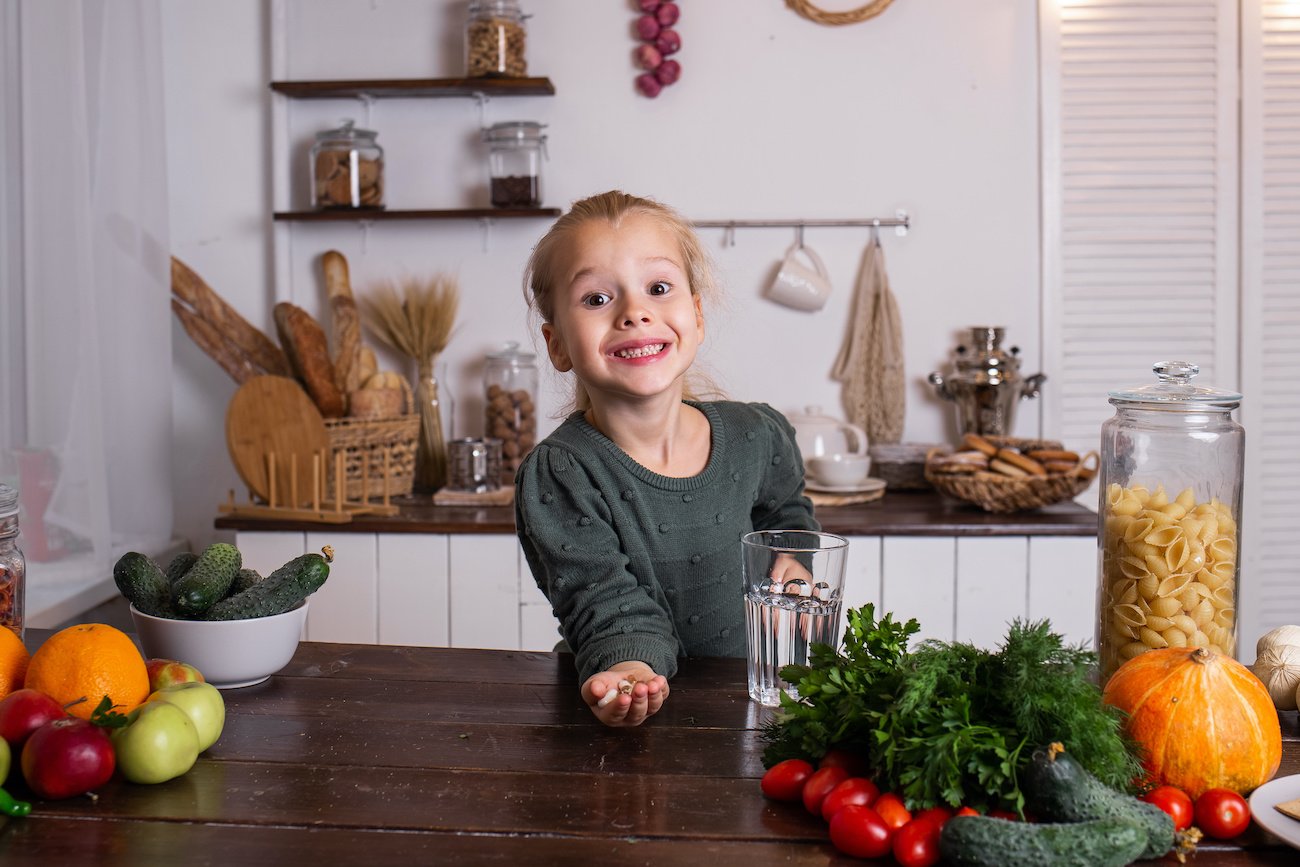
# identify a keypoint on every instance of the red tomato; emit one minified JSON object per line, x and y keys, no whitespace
{"x":938,"y":815}
{"x":784,"y":780}
{"x":1173,"y":801}
{"x":892,"y":809}
{"x":859,"y":831}
{"x":854,"y":790}
{"x":1222,"y":813}
{"x":819,"y":785}
{"x":917,"y":843}
{"x":855,"y":764}
{"x":968,"y":811}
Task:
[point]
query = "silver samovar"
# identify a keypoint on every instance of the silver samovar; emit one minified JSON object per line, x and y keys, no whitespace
{"x":986,"y":386}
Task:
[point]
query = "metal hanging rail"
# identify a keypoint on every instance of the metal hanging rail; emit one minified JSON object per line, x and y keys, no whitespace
{"x":900,"y":223}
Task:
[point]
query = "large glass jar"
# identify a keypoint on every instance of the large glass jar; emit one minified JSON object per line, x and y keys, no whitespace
{"x":1169,"y":519}
{"x":510,"y":409}
{"x":347,"y":169}
{"x":13,"y":566}
{"x":515,"y":151}
{"x":495,"y":40}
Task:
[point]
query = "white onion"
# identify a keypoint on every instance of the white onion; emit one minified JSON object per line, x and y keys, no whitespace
{"x":1277,"y":664}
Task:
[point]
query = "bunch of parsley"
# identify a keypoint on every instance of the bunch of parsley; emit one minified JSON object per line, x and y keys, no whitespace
{"x":949,"y":723}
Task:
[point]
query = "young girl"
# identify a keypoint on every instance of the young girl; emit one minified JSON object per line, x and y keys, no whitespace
{"x":631,"y":512}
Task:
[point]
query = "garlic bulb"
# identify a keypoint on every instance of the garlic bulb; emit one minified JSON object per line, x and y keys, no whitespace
{"x":1278,"y":665}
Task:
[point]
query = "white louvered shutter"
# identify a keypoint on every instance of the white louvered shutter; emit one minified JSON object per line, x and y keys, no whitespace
{"x":1139,"y":199}
{"x":1271,"y":315}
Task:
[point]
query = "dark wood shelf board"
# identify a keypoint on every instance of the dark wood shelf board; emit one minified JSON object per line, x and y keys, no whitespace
{"x":407,"y":88}
{"x":378,"y":215}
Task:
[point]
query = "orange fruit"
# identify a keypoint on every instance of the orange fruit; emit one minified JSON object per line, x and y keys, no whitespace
{"x":90,"y":661}
{"x":13,"y":661}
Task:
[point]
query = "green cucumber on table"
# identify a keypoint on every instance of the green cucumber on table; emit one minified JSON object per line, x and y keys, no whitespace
{"x":278,"y":592}
{"x":984,"y":841}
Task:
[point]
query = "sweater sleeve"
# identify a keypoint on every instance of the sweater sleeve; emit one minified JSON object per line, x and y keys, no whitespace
{"x":781,"y":504}
{"x":578,"y":560}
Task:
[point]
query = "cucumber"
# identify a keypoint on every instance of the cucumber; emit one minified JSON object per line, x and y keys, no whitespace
{"x":278,"y":592}
{"x":245,"y":579}
{"x":1062,"y":790}
{"x":143,"y":584}
{"x":207,"y":581}
{"x":983,"y":841}
{"x":179,"y":565}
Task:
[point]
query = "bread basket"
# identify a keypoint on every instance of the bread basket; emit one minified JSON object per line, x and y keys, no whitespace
{"x":363,"y":442}
{"x":995,"y":492}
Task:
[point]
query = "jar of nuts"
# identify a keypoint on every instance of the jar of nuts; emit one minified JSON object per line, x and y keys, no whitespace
{"x":515,"y":152}
{"x":13,"y":566}
{"x":510,"y":415}
{"x":347,"y":169}
{"x":494,"y":40}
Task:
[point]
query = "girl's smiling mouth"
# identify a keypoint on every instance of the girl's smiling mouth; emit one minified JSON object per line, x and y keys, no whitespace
{"x":640,"y":350}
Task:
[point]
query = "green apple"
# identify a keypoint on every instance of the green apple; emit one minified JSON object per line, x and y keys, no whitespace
{"x":165,"y":672}
{"x":158,"y":743}
{"x":202,"y":702}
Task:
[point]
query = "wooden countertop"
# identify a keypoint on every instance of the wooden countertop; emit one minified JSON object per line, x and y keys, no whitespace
{"x":382,"y":754}
{"x":896,"y":514}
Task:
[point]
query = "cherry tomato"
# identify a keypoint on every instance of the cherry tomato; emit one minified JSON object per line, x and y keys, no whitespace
{"x":784,"y":780}
{"x":854,"y":790}
{"x":855,"y":764}
{"x":917,"y":843}
{"x":892,"y":809}
{"x":1173,"y":801}
{"x":938,"y":815}
{"x":1222,"y":813}
{"x":968,"y":811}
{"x":859,"y":831}
{"x":819,"y":785}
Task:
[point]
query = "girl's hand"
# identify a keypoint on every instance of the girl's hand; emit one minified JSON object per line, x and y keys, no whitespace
{"x":787,"y":568}
{"x":631,"y":709}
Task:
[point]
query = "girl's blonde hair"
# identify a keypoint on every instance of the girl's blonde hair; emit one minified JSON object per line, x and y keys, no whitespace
{"x":544,"y":268}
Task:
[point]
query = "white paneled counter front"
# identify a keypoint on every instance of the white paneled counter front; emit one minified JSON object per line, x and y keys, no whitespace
{"x":456,"y":577}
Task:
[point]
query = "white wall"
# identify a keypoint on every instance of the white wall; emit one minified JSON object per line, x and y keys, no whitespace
{"x":931,"y":107}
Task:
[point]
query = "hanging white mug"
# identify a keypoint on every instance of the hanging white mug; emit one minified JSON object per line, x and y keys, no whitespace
{"x":799,"y":286}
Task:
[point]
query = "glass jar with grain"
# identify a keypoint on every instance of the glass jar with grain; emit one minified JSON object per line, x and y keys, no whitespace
{"x":495,"y":40}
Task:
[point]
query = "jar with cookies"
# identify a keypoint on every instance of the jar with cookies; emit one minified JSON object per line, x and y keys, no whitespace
{"x":347,"y":169}
{"x":495,"y":40}
{"x":1171,"y":469}
{"x":510,"y":405}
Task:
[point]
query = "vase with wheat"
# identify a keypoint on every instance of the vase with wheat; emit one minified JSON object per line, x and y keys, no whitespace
{"x":416,"y":321}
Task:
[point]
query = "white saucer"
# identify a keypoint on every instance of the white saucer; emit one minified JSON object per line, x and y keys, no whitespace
{"x":866,"y":487}
{"x":1261,"y":807}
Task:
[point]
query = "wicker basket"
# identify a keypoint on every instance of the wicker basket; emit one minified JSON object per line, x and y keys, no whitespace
{"x":363,"y":442}
{"x":995,"y":492}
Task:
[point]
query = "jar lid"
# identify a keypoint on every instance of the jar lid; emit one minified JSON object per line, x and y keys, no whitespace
{"x":8,"y":500}
{"x":346,"y":132}
{"x":515,"y":131}
{"x":1174,"y":390}
{"x":502,"y":8}
{"x":510,"y":352}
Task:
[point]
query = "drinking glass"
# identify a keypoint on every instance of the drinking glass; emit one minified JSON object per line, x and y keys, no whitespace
{"x":793,"y":584}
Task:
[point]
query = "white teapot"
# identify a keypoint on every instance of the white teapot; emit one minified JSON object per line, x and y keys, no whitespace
{"x":817,"y":434}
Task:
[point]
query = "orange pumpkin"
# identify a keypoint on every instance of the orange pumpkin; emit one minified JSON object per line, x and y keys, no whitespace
{"x":1204,"y":720}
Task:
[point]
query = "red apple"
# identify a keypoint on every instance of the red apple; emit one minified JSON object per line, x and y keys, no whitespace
{"x":22,"y":712}
{"x":67,"y":757}
{"x":168,"y":672}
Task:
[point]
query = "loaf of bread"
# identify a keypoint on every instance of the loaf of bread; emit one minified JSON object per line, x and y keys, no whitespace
{"x":304,"y":342}
{"x":345,"y":323}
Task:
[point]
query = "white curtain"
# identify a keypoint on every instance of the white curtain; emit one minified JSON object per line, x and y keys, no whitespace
{"x":86,"y":384}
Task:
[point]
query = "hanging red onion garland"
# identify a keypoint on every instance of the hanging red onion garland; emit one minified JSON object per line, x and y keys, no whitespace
{"x":659,"y":40}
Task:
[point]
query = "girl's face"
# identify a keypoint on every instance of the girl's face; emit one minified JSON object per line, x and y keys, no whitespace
{"x":625,"y":321}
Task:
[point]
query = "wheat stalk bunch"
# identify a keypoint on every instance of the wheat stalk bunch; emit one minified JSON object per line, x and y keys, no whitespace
{"x":416,"y":318}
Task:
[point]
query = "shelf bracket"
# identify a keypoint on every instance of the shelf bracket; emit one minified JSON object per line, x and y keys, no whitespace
{"x":365,"y":235}
{"x":367,"y":102}
{"x":481,"y":99}
{"x":485,"y":224}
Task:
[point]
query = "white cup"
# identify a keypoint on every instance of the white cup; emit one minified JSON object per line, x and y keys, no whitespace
{"x":799,"y":286}
{"x":839,"y":471}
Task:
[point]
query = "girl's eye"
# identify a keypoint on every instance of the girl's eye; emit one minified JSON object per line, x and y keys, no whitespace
{"x":660,"y":287}
{"x":595,"y":299}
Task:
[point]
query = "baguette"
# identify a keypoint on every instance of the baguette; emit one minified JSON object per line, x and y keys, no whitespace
{"x":215,"y":345}
{"x":305,"y":344}
{"x":345,"y":323}
{"x":202,"y":301}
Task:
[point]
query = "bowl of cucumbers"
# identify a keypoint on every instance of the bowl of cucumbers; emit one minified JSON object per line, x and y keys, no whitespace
{"x":207,"y":610}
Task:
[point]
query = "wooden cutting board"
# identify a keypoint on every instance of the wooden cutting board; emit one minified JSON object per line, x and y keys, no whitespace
{"x":273,"y":414}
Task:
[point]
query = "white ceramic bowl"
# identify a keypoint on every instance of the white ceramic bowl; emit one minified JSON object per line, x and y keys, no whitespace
{"x":839,"y":471}
{"x":228,"y":653}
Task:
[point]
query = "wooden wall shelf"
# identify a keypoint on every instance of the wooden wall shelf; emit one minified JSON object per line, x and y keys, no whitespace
{"x":386,"y":215}
{"x":408,"y":88}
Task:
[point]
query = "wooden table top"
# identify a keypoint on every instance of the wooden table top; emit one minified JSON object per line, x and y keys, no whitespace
{"x":898,"y":513}
{"x":370,"y":754}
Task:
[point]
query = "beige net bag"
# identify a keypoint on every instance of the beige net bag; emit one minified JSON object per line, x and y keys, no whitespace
{"x":870,"y":362}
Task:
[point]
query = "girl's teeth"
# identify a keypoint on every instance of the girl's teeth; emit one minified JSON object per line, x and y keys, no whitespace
{"x":641,"y":352}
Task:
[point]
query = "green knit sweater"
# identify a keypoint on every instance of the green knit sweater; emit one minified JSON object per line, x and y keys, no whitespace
{"x":647,"y":567}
